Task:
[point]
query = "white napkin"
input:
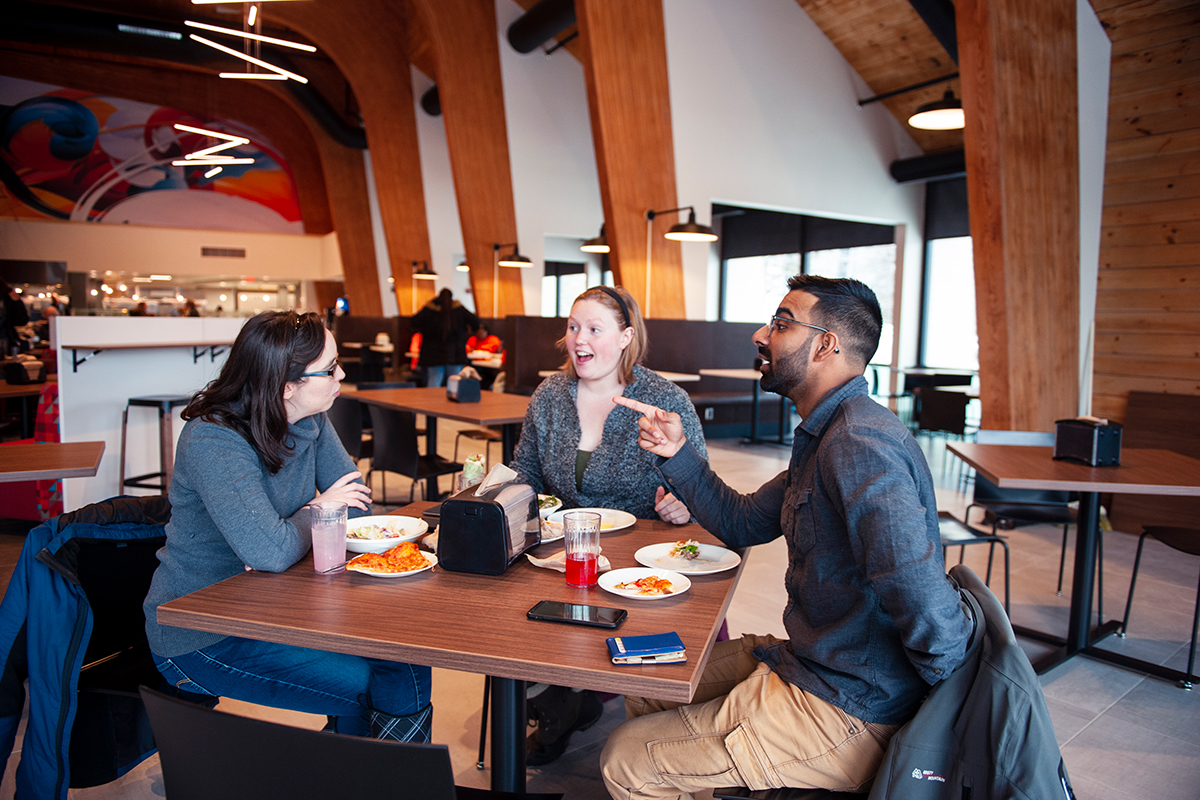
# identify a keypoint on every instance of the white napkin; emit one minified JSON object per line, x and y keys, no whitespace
{"x":499,"y":474}
{"x":558,"y":561}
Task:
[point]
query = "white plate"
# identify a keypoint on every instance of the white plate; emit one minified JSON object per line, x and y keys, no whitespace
{"x":713,"y":558}
{"x":610,"y":519}
{"x":608,"y":582}
{"x":433,"y":560}
{"x":409,"y":528}
{"x":551,"y":531}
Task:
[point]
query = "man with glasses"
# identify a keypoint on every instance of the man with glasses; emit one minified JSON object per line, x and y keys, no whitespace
{"x":872,"y":620}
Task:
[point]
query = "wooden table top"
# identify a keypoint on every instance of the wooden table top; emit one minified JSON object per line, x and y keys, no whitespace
{"x":741,"y":374}
{"x":20,"y":389}
{"x":673,"y":377}
{"x":493,"y":408}
{"x":474,"y":623}
{"x":1142,"y":471}
{"x":35,"y":462}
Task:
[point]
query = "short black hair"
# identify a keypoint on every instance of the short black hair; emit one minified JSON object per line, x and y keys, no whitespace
{"x":847,"y":307}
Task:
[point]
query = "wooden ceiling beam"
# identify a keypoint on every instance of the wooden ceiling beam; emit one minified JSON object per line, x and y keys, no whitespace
{"x":1018,"y":60}
{"x":625,"y":66}
{"x":380,"y":76}
{"x":466,"y":50}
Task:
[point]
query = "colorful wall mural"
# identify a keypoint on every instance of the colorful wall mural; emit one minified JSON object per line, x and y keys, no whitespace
{"x":84,"y":157}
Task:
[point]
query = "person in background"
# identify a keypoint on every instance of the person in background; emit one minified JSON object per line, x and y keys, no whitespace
{"x":139,"y":310}
{"x":41,"y":328}
{"x":15,"y":316}
{"x":190,"y":310}
{"x":257,"y":449}
{"x":444,"y":325}
{"x":872,"y":619}
{"x":578,"y":445}
{"x":483,"y":339}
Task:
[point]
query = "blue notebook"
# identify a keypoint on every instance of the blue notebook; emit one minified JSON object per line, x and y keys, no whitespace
{"x":658,"y":648}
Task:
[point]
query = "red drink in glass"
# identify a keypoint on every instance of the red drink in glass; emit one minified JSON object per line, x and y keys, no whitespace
{"x":581,"y":569}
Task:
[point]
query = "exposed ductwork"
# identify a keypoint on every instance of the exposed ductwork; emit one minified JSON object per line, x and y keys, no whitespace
{"x":136,"y":37}
{"x":939,"y":16}
{"x":933,"y":167}
{"x":541,"y":23}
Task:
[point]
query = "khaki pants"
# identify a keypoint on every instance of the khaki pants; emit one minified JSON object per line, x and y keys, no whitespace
{"x":745,"y":727}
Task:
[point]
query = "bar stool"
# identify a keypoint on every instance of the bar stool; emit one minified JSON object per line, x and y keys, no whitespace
{"x":165,"y":403}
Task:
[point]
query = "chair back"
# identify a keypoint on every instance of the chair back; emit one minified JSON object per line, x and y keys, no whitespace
{"x":395,"y":434}
{"x":207,"y":754}
{"x":942,"y":411}
{"x":346,"y":417}
{"x":1162,"y":422}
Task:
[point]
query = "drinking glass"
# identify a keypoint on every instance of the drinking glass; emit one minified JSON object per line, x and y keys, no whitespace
{"x":328,"y":535}
{"x":581,"y":531}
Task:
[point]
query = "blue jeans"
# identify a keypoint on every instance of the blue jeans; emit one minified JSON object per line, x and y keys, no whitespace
{"x":436,"y":376}
{"x":283,"y":676}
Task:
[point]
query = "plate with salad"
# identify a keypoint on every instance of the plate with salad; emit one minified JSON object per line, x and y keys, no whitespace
{"x":377,"y":534}
{"x":688,"y":555}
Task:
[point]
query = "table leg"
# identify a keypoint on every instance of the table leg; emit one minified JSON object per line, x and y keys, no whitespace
{"x":508,"y":735}
{"x":508,"y":441}
{"x":1086,"y":535}
{"x":754,"y":416}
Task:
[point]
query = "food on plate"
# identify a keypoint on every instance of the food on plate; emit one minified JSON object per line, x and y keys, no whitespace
{"x":688,"y":549}
{"x":548,"y":501}
{"x":649,"y":585}
{"x":371,"y":531}
{"x":404,"y":557}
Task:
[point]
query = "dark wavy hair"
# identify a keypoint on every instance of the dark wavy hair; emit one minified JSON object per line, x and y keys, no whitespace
{"x":848,"y":308}
{"x":272,"y":349}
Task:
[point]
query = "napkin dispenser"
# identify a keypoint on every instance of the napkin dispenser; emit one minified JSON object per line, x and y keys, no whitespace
{"x":23,"y":372}
{"x":1088,"y":440}
{"x":463,"y":390}
{"x":484,"y":534}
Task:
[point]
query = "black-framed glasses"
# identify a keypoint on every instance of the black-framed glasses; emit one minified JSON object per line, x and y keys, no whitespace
{"x":325,"y":373}
{"x":777,"y":323}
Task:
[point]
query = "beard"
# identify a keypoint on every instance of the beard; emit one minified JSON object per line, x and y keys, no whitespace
{"x":788,"y":372}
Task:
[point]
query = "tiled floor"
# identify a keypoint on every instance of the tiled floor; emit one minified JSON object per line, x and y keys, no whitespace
{"x":1123,"y":736}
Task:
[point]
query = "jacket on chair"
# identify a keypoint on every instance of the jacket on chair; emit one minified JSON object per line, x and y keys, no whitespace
{"x":46,"y":624}
{"x":983,"y":733}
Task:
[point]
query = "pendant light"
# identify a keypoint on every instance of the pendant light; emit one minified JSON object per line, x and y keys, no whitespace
{"x":940,"y":115}
{"x":596,"y":245}
{"x":689,"y":231}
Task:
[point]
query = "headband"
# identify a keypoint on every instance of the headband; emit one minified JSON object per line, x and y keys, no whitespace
{"x":615,"y":295}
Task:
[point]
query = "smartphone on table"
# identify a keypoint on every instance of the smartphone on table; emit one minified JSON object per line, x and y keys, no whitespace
{"x":577,"y":614}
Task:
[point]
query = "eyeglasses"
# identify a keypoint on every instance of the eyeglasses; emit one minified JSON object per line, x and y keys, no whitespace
{"x":777,"y":323}
{"x":325,"y":373}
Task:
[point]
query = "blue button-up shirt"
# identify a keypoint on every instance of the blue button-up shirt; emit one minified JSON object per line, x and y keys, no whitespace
{"x":872,"y":619}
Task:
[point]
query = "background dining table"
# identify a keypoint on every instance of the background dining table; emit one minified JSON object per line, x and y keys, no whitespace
{"x":1141,"y":471}
{"x":493,"y":408}
{"x":477,"y":623}
{"x":49,"y":460}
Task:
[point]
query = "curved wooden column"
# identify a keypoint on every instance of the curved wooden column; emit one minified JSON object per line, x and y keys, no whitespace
{"x":466,"y":50}
{"x":625,"y":64}
{"x":1018,"y":63}
{"x":378,"y":70}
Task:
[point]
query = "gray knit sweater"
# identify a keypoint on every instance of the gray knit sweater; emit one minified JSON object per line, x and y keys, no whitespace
{"x":228,"y":512}
{"x":620,"y":474}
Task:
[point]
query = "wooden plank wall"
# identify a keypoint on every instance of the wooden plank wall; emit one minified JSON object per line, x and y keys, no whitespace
{"x":1148,"y":299}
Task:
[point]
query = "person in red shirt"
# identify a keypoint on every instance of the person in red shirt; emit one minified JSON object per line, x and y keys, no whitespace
{"x":483,"y":339}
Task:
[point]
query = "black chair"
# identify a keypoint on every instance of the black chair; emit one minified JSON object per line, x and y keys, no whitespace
{"x":395,"y":434}
{"x":1006,"y":508}
{"x":488,"y":435}
{"x":208,"y":754}
{"x":937,"y":411}
{"x":1185,"y":540}
{"x":956,"y":533}
{"x":346,"y":416}
{"x":372,"y":364}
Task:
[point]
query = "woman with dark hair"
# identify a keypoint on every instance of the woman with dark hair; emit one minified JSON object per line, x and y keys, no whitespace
{"x":257,"y":449}
{"x":444,"y":325}
{"x":579,"y":445}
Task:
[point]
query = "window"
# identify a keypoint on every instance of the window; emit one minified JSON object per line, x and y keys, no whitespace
{"x":875,"y":266}
{"x":950,"y":336}
{"x":752,"y":286}
{"x":562,"y":283}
